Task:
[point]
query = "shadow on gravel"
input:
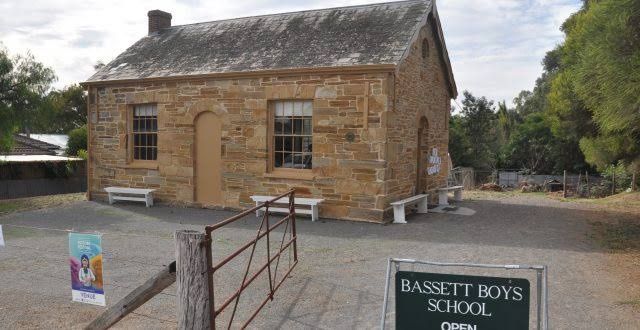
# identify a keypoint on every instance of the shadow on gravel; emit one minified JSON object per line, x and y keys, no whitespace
{"x":494,"y":224}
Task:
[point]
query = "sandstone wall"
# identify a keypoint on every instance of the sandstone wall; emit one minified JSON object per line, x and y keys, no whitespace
{"x":349,"y":175}
{"x":421,"y":92}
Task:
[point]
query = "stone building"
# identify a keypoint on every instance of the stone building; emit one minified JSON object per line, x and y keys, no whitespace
{"x":347,"y":104}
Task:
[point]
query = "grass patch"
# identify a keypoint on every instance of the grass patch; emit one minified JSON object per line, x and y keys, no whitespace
{"x":39,"y":202}
{"x":8,"y":207}
{"x":622,"y":235}
{"x":633,"y":303}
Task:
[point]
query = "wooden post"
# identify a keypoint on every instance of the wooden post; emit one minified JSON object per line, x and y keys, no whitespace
{"x":192,"y":277}
{"x":578,"y":190}
{"x":586,"y":175}
{"x":634,"y":186}
{"x":564,"y":184}
{"x":613,"y":182}
{"x":135,"y":298}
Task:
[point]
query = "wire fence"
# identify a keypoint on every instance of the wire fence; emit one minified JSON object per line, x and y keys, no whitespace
{"x":575,"y":184}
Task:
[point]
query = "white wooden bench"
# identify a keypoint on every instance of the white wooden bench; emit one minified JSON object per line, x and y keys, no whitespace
{"x":399,"y":206}
{"x":443,"y":198}
{"x":311,"y":202}
{"x":116,"y":193}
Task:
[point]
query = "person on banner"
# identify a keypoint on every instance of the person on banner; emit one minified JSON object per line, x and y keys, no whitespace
{"x":85,"y":275}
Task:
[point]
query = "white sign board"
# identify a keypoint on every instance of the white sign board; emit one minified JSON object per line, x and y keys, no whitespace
{"x":434,"y":162}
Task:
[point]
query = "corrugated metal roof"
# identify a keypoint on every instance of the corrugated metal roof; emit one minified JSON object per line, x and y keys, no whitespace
{"x":335,"y":37}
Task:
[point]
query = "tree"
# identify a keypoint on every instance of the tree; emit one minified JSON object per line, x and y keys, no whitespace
{"x":63,"y":111}
{"x":23,"y":84}
{"x":459,"y":144}
{"x":597,"y":84}
{"x":508,"y":119}
{"x":77,"y":141}
{"x":479,"y":124}
{"x":530,"y":145}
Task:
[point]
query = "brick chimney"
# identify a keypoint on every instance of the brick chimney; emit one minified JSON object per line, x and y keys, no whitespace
{"x":158,"y":20}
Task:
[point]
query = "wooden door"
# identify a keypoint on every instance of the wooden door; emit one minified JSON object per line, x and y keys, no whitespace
{"x":208,"y":162}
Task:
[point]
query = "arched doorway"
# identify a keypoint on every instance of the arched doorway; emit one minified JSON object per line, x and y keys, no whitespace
{"x":208,"y":162}
{"x":422,"y":152}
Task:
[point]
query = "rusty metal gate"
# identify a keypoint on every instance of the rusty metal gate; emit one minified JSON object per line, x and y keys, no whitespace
{"x":289,"y":221}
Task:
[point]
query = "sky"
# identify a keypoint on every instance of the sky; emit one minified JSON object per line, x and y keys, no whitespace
{"x":496,"y":46}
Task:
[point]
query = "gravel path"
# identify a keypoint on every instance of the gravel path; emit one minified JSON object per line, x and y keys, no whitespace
{"x":339,"y":281}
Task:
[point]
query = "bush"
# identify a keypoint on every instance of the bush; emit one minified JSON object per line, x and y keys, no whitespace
{"x":622,"y":176}
{"x":77,"y":141}
{"x":83,"y":154}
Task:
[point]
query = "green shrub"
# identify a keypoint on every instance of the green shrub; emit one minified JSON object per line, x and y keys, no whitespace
{"x":77,"y":141}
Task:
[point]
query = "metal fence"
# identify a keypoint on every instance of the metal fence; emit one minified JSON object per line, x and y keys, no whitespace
{"x":271,"y":265}
{"x":27,"y":179}
{"x":575,"y":184}
{"x":38,"y":187}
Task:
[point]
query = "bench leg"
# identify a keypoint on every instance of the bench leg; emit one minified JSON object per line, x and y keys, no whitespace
{"x":398,"y":214}
{"x":314,"y":212}
{"x":258,"y":210}
{"x":111,"y":201}
{"x":148,"y":200}
{"x":457,"y":195}
{"x":443,"y":198}
{"x":423,"y":206}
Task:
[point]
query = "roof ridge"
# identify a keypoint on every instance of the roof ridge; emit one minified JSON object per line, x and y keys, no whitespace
{"x":301,"y":11}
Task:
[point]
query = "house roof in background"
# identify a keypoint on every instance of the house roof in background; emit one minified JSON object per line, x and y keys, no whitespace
{"x":336,"y":37}
{"x":59,"y":140}
{"x":23,"y":145}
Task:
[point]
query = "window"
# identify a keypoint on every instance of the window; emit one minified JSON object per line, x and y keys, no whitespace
{"x":425,"y":48}
{"x":292,"y":134}
{"x":145,"y":132}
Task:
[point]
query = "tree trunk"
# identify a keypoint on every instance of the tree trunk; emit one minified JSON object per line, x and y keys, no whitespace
{"x":613,"y":182}
{"x":564,"y":184}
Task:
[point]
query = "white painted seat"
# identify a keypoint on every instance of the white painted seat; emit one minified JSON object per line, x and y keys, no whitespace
{"x":115,"y":193}
{"x":311,"y":202}
{"x":443,"y":198}
{"x":399,"y":206}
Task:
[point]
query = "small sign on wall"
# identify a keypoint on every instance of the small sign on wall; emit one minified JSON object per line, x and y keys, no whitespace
{"x":85,"y":260}
{"x":446,"y":301}
{"x":434,"y":162}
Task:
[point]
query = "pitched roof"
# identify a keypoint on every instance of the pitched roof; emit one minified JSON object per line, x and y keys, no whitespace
{"x":334,"y":37}
{"x":23,"y":145}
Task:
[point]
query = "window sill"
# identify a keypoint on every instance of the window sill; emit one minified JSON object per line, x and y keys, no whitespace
{"x":295,"y":175}
{"x":139,"y":165}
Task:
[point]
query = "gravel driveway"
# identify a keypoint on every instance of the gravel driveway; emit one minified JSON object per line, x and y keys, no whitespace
{"x":339,"y":281}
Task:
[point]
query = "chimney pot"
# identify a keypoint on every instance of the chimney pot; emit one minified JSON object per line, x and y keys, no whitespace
{"x":158,"y":20}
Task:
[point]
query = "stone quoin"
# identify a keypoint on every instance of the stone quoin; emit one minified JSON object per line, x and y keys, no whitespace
{"x":344,"y":104}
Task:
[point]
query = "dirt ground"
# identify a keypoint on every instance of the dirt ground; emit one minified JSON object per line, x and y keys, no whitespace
{"x":594,"y":269}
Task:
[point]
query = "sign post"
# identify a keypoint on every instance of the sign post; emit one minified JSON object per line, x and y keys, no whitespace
{"x":457,"y":302}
